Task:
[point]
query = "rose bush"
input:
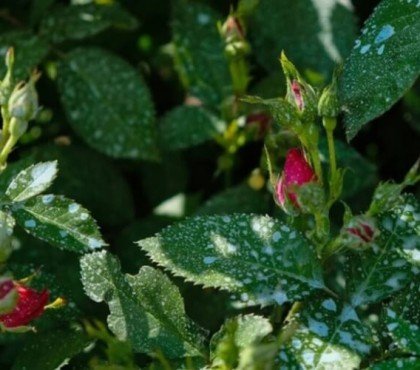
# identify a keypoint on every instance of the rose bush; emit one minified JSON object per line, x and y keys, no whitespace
{"x":199,"y":185}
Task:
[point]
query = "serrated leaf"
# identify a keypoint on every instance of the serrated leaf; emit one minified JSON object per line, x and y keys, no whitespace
{"x":77,"y":22}
{"x":384,"y":63}
{"x":199,"y":53}
{"x":59,"y":221}
{"x":29,"y":51}
{"x":50,"y":350}
{"x":384,"y":268}
{"x":146,"y":309}
{"x":32,"y":181}
{"x":405,"y":304}
{"x":327,"y":335}
{"x":315,"y":34}
{"x":240,"y":198}
{"x":188,"y":126}
{"x":108,"y":104}
{"x":258,"y":259}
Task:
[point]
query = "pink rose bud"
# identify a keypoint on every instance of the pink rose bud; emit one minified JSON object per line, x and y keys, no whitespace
{"x":232,"y":29}
{"x":297,"y":93}
{"x":363,"y":230}
{"x":296,"y":172}
{"x":30,"y":305}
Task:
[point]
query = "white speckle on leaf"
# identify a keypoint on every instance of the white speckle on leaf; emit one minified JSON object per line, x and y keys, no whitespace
{"x":364,"y":49}
{"x":384,"y":34}
{"x":74,"y":207}
{"x":209,"y":260}
{"x":30,"y":223}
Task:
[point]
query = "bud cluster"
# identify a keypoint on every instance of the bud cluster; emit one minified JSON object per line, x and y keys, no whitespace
{"x":19,"y":105}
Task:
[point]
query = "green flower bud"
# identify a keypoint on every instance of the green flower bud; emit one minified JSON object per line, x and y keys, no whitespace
{"x":7,"y":84}
{"x":328,"y":104}
{"x":299,"y":93}
{"x":23,"y":103}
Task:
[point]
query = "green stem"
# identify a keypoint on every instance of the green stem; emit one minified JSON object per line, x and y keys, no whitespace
{"x":316,"y":162}
{"x":5,"y":151}
{"x":5,"y":128}
{"x":331,"y":151}
{"x":239,"y":74}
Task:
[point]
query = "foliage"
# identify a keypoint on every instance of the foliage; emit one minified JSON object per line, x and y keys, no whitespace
{"x":177,"y":177}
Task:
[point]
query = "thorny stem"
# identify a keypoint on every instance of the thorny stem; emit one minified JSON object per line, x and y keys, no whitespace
{"x":5,"y":151}
{"x":331,"y":151}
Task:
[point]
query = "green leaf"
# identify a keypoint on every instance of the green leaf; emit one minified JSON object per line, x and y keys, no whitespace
{"x":146,"y":309}
{"x":404,"y":333}
{"x":402,"y":317}
{"x":240,"y":198}
{"x":199,"y":53}
{"x":108,"y":104}
{"x":80,"y":21}
{"x":90,"y":179}
{"x":59,"y":221}
{"x":258,"y":259}
{"x":327,"y":335}
{"x":50,"y":350}
{"x":235,"y":336}
{"x":410,"y":363}
{"x":314,"y":34}
{"x":383,"y":63}
{"x":188,"y":126}
{"x":32,"y":181}
{"x":29,"y":51}
{"x":384,"y":268}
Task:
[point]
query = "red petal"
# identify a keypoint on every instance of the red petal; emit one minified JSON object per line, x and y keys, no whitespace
{"x":30,"y":305}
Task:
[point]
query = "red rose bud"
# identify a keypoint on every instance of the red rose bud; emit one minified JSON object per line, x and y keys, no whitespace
{"x":30,"y":305}
{"x":361,"y":230}
{"x":8,"y":295}
{"x":261,"y":121}
{"x":296,"y":172}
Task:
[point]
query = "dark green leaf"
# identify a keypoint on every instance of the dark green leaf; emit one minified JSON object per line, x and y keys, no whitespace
{"x":260,"y":260}
{"x":383,"y":64}
{"x":29,"y":51}
{"x":80,"y":21}
{"x":240,"y":198}
{"x":405,"y":363}
{"x":146,"y":309}
{"x":187,"y":126}
{"x":59,"y":221}
{"x":314,"y":34}
{"x":50,"y":350}
{"x":90,"y":179}
{"x":199,"y":54}
{"x":108,"y":104}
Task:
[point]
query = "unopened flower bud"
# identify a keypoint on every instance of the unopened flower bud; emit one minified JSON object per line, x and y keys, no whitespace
{"x":359,"y":232}
{"x":6,"y":85}
{"x":8,"y":295}
{"x":297,"y":172}
{"x":232,"y":29}
{"x":328,"y":104}
{"x":23,"y":103}
{"x":299,"y":92}
{"x":30,"y":305}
